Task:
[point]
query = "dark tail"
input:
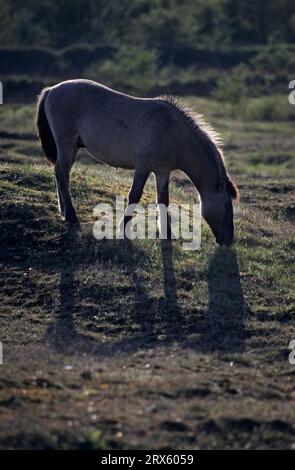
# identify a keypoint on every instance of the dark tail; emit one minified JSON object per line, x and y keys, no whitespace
{"x":43,"y":129}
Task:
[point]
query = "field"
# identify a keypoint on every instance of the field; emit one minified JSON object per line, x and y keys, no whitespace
{"x":109,"y":344}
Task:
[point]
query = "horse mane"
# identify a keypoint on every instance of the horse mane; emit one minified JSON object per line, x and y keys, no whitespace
{"x":208,"y":137}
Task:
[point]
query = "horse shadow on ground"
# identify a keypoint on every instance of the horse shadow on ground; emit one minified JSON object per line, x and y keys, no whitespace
{"x":160,"y":321}
{"x":223,"y":328}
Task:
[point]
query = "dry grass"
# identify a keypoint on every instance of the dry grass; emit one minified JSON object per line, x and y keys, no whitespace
{"x":142,"y":345}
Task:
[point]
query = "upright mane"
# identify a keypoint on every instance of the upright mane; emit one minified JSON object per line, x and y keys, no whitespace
{"x":208,"y":137}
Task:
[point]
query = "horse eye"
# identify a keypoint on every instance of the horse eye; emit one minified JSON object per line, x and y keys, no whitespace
{"x":221,"y":186}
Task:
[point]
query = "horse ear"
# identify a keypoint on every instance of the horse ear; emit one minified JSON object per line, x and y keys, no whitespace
{"x":227,"y":185}
{"x":232,"y":189}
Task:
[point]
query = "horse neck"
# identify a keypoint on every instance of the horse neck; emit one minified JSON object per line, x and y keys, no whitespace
{"x":202,"y":169}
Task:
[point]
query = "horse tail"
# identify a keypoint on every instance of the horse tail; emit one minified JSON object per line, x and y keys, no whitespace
{"x":43,"y":129}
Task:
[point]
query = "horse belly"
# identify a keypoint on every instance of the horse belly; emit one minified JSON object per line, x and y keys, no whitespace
{"x":115,"y":150}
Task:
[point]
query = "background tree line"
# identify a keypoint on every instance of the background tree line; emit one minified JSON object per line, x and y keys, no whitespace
{"x":156,"y":24}
{"x":229,"y":48}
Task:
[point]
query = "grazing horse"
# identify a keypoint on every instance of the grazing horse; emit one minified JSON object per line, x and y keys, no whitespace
{"x":145,"y":134}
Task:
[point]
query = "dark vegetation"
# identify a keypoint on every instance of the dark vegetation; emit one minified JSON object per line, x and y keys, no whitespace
{"x":148,"y":47}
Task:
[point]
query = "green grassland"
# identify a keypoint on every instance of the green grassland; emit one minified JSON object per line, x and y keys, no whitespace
{"x":116,"y":344}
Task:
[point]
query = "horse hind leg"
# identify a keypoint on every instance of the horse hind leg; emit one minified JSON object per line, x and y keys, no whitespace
{"x":64,"y":162}
{"x":60,"y":203}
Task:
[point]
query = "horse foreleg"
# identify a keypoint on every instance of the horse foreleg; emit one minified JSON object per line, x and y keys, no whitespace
{"x":162,"y":185}
{"x":135,"y":193}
